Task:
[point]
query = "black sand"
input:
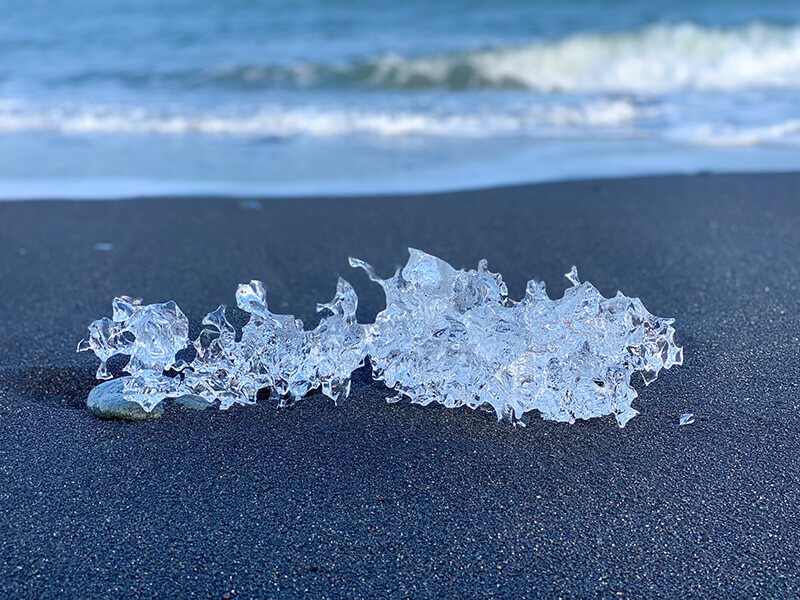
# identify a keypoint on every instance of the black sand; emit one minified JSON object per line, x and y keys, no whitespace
{"x":376,"y":500}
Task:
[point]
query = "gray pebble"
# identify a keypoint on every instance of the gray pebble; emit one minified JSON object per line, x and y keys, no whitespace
{"x":107,"y":402}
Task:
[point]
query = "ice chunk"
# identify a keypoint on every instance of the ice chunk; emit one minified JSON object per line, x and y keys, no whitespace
{"x":456,"y":338}
{"x":686,"y":419}
{"x":151,"y":335}
{"x":448,"y":336}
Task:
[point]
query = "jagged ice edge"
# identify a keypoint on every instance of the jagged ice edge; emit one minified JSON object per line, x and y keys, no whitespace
{"x":448,"y":336}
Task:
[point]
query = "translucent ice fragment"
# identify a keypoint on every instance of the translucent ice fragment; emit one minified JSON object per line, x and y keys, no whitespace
{"x":686,"y":419}
{"x":448,"y":336}
{"x":456,"y":338}
{"x":151,"y":335}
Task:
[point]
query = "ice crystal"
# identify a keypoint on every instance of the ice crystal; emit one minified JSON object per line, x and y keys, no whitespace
{"x":446,"y":335}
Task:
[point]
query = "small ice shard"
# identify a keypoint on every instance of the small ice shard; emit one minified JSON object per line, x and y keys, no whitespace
{"x":573,"y":276}
{"x":150,"y":335}
{"x":448,"y":336}
{"x":686,"y":419}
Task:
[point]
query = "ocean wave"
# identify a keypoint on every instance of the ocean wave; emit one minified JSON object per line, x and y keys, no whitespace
{"x":281,"y":121}
{"x":656,"y":59}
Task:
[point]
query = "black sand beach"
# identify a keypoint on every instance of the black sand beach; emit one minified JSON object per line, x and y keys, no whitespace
{"x":371,"y":500}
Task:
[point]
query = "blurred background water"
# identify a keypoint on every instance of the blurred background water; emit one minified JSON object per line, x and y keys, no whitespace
{"x":106,"y":98}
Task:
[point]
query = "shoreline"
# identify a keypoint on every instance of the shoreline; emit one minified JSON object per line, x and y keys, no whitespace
{"x":126,"y":189}
{"x":372,"y":499}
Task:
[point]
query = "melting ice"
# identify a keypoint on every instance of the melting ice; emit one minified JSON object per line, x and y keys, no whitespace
{"x":448,"y":336}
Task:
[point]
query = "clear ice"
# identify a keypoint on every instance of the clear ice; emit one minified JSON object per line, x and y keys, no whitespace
{"x":448,"y":336}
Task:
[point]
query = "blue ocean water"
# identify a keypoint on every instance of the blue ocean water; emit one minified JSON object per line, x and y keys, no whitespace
{"x":102,"y":98}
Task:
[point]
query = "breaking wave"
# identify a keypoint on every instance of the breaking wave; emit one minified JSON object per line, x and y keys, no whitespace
{"x":656,"y":59}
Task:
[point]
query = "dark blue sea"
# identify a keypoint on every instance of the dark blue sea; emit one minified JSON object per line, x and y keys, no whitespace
{"x":103,"y":98}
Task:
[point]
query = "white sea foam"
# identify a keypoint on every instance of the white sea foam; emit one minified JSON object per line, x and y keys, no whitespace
{"x":786,"y":133}
{"x":284,"y":122}
{"x":655,"y":59}
{"x":658,"y":59}
{"x":550,"y":120}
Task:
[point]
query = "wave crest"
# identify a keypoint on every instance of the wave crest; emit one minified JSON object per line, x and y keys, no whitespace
{"x":657,"y":59}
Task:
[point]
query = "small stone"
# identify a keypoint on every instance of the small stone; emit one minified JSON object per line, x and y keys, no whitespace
{"x":107,"y":402}
{"x":193,"y":402}
{"x":250,"y":205}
